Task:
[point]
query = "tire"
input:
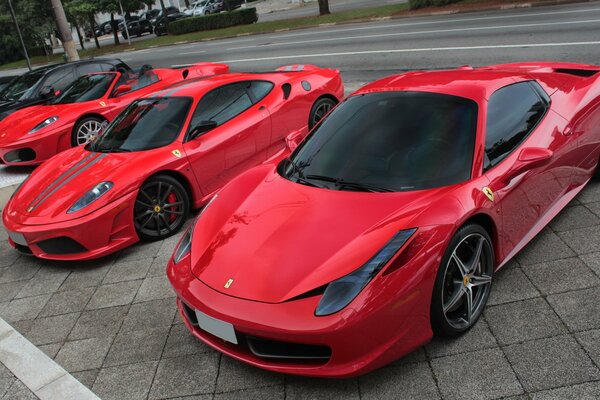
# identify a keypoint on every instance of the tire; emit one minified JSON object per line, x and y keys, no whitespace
{"x":161,"y":208}
{"x":85,"y":130}
{"x":451,"y":312}
{"x":319,"y":110}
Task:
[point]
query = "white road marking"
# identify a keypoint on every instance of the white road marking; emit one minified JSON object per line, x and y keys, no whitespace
{"x":417,"y":50}
{"x":45,"y":378}
{"x":479,"y":28}
{"x":440,"y":21}
{"x":187,"y":53}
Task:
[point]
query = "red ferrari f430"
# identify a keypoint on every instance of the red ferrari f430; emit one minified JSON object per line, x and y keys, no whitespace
{"x":166,"y":153}
{"x":387,"y":223}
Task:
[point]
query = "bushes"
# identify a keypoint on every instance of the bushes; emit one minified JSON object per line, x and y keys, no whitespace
{"x":414,"y":4}
{"x":214,"y":21}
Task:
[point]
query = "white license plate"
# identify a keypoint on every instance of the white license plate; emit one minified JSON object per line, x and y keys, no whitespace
{"x":220,"y":329}
{"x":18,"y":238}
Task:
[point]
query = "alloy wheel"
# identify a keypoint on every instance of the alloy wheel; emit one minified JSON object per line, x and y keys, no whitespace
{"x":159,"y":209}
{"x":88,"y":131}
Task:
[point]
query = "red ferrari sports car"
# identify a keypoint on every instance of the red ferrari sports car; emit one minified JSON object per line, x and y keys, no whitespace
{"x":32,"y":135}
{"x":164,"y":154}
{"x":387,"y":223}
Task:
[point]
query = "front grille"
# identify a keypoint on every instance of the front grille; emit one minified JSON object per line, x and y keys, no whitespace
{"x":20,"y":155}
{"x":23,"y":249}
{"x":61,"y":245}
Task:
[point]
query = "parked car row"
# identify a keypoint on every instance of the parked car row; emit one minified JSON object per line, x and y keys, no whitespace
{"x":335,"y":234}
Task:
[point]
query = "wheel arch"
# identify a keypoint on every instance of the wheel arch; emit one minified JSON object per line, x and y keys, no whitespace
{"x":89,"y":115}
{"x":486,"y":222}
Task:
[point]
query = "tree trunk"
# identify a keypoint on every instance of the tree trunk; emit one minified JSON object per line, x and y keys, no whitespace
{"x":324,"y":7}
{"x":81,"y":38}
{"x":115,"y":29}
{"x":93,"y":25}
{"x":65,"y":33}
{"x":187,"y":4}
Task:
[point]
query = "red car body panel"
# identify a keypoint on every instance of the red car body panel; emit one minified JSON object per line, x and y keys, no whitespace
{"x":279,"y":241}
{"x":38,"y":210}
{"x":14,"y":130}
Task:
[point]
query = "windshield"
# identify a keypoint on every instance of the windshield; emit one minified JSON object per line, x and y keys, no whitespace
{"x":18,"y":89}
{"x":146,"y":124}
{"x":86,"y":88}
{"x":392,"y":141}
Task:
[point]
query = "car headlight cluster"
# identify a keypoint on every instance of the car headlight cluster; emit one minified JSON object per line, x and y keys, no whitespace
{"x":94,"y":194}
{"x":341,"y":292}
{"x":185,"y":246}
{"x":43,"y":124}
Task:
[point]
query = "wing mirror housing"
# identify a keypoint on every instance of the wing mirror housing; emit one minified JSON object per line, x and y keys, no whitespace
{"x":121,"y":89}
{"x":529,"y":158}
{"x":202,"y":127}
{"x":294,"y":139}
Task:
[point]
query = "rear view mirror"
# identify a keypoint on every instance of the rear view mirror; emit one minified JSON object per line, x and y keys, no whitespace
{"x":202,"y":127}
{"x":529,"y":158}
{"x":121,"y":89}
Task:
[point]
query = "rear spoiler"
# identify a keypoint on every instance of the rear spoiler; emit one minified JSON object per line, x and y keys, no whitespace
{"x":195,"y":70}
{"x":298,"y":68}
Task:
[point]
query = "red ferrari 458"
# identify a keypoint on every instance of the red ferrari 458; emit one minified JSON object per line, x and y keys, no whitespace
{"x":164,"y":154}
{"x":387,"y":223}
{"x":32,"y":135}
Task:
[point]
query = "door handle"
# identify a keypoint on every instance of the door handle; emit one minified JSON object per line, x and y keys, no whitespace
{"x":568,"y":131}
{"x":262,"y":108}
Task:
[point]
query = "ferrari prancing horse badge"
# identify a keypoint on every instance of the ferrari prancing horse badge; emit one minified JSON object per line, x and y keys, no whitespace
{"x":488,"y":192}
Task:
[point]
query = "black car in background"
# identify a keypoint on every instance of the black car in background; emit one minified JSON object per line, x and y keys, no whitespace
{"x":136,"y":28}
{"x":42,"y":84}
{"x":161,"y":27}
{"x":170,"y":11}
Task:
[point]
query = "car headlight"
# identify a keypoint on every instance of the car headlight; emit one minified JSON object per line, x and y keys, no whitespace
{"x":185,"y":246}
{"x":341,"y":292}
{"x":43,"y":124}
{"x":97,"y":191}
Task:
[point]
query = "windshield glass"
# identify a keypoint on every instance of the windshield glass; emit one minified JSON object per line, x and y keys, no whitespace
{"x":146,"y":124}
{"x":392,"y":141}
{"x":86,"y":88}
{"x":19,"y":88}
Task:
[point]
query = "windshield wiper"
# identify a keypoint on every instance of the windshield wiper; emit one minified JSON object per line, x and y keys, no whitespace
{"x":341,"y":183}
{"x":299,"y":175}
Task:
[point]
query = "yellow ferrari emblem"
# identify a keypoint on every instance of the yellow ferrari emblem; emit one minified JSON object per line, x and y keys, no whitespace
{"x":488,"y":192}
{"x":176,"y":153}
{"x":103,"y":104}
{"x":228,"y":283}
{"x":466,"y":280}
{"x":157,"y":209}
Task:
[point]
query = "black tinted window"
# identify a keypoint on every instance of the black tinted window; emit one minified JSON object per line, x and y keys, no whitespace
{"x":513,"y":112}
{"x":90,"y":68}
{"x":222,"y":104}
{"x":86,"y":88}
{"x":398,"y":141}
{"x":59,"y":80}
{"x":260,"y":89}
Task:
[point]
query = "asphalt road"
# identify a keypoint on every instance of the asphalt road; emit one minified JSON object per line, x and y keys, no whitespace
{"x":312,"y":9}
{"x":368,"y":51}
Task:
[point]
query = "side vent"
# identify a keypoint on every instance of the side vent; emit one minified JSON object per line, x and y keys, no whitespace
{"x":584,"y":73}
{"x":287,"y":89}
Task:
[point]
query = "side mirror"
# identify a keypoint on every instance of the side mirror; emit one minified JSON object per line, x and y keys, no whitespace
{"x":294,"y":139}
{"x":202,"y":127}
{"x":121,"y":89}
{"x":47,"y":92}
{"x":529,"y":158}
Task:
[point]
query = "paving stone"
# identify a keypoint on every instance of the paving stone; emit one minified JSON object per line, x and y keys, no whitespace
{"x":68,"y":301}
{"x":23,"y":326}
{"x":546,"y":246}
{"x":551,"y":362}
{"x":523,"y":320}
{"x":478,"y":375}
{"x":181,"y":342}
{"x":137,"y":346}
{"x":130,"y":382}
{"x":51,"y":350}
{"x":87,"y":276}
{"x":594,"y":207}
{"x":81,"y":355}
{"x":416,"y":356}
{"x":584,"y":391}
{"x":18,"y":391}
{"x":87,"y":378}
{"x":235,"y":375}
{"x":411,"y":381}
{"x":155,"y":288}
{"x":582,"y":241}
{"x":561,"y":275}
{"x":574,"y":217}
{"x":151,"y":314}
{"x":579,"y":309}
{"x":590,"y":193}
{"x":19,"y":272}
{"x":99,"y":323}
{"x":26,"y":308}
{"x":511,"y":284}
{"x":158,"y":267}
{"x":139,"y":251}
{"x":9,"y":290}
{"x":51,"y":329}
{"x":592,"y":260}
{"x":128,"y":271}
{"x":8,"y":255}
{"x":590,"y":341}
{"x":263,"y":393}
{"x":46,"y":280}
{"x":114,"y":294}
{"x":185,"y":376}
{"x":477,"y":338}
{"x":5,"y":383}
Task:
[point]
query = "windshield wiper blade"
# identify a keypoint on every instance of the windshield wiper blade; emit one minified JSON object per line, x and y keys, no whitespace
{"x":341,"y":183}
{"x":299,"y":175}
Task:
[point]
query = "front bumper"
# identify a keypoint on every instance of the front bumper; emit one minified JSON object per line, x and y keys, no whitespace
{"x":94,"y":235}
{"x":35,"y":149}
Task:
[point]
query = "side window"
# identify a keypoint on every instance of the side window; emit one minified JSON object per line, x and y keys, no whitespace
{"x":513,"y":112}
{"x":60,"y":79}
{"x":222,"y":104}
{"x":260,"y":89}
{"x":90,"y":68}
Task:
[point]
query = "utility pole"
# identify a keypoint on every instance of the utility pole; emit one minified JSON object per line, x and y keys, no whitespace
{"x":65,"y":32}
{"x":14,"y":18}
{"x":125,"y":23}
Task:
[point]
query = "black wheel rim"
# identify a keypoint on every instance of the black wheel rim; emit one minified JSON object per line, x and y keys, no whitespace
{"x":467,"y":281}
{"x":159,"y":209}
{"x":321,"y":111}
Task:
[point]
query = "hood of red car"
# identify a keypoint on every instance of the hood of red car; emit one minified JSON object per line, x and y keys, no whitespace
{"x":277,"y":239}
{"x":17,"y":125}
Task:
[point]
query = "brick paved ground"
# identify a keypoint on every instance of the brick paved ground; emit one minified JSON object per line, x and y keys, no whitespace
{"x":113,"y":324}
